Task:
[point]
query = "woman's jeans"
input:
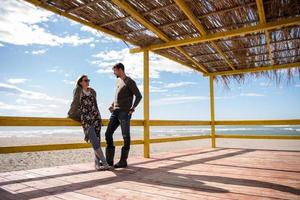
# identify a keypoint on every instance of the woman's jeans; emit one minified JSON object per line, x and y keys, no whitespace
{"x":117,"y":118}
{"x":95,"y":141}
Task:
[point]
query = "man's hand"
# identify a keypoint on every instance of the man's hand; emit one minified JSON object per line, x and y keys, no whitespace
{"x":111,"y":109}
{"x":131,"y":111}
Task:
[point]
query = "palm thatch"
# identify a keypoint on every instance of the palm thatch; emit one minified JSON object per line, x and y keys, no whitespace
{"x":240,"y":52}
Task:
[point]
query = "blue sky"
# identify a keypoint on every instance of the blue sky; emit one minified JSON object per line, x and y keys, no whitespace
{"x":41,"y":55}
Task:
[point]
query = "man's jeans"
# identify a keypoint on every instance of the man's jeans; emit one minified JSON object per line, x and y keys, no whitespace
{"x":117,"y":118}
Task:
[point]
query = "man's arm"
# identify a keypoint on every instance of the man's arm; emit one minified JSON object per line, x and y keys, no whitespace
{"x":138,"y":96}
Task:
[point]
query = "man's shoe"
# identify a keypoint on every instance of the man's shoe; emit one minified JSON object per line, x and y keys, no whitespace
{"x":110,"y":154}
{"x":123,"y":160}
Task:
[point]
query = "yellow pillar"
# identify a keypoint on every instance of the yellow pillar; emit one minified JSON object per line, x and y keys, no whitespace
{"x":212,"y":111}
{"x":146,"y":106}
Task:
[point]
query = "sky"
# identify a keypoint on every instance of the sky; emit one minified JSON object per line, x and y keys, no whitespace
{"x":42,"y":54}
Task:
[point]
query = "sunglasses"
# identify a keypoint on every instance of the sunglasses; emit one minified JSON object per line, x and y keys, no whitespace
{"x":86,"y":80}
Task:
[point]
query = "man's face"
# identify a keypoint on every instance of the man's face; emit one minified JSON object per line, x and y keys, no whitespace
{"x":117,"y":72}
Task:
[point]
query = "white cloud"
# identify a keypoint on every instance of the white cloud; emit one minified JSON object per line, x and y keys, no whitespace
{"x":178,"y":100}
{"x":20,"y":25}
{"x":56,"y":69}
{"x":69,"y":82}
{"x":252,"y":95}
{"x":23,"y":107}
{"x":153,"y":89}
{"x":17,"y":80}
{"x":27,"y":94}
{"x":179,"y":84}
{"x":38,"y":52}
{"x":134,"y":63}
{"x":104,"y":38}
{"x":184,"y":99}
{"x":264,"y":84}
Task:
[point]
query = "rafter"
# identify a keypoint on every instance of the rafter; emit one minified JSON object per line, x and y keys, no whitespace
{"x":187,"y":11}
{"x":82,"y":6}
{"x":255,"y":69}
{"x":254,"y":46}
{"x":262,"y":19}
{"x":222,"y":35}
{"x":184,"y":20}
{"x":137,"y":16}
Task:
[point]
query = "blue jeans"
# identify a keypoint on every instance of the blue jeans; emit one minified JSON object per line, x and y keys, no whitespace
{"x":94,"y":140}
{"x":117,"y":118}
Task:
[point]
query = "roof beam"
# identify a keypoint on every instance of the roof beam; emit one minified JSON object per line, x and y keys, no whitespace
{"x":137,"y":16}
{"x":222,"y":35}
{"x":41,"y":4}
{"x":255,"y":69}
{"x":262,"y":19}
{"x":185,"y":20}
{"x":55,"y":10}
{"x":187,"y":11}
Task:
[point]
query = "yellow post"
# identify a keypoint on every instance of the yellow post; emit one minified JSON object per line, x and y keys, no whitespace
{"x":212,"y":111}
{"x":146,"y":106}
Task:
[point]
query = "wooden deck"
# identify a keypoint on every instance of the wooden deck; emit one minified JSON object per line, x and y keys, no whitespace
{"x":221,"y":173}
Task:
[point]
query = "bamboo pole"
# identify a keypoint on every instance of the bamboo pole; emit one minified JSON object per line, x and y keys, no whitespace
{"x":146,"y":106}
{"x":212,"y":111}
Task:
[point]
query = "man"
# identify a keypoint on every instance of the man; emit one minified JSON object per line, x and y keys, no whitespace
{"x":121,"y":111}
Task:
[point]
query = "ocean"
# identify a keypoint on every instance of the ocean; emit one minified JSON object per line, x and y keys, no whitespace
{"x":137,"y":132}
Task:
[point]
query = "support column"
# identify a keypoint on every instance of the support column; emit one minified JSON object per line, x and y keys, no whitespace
{"x":212,"y":111}
{"x":146,"y":105}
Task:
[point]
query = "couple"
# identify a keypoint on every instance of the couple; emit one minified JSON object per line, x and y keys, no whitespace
{"x":84,"y":108}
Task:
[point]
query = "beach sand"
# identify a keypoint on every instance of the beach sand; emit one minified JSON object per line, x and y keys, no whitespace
{"x":31,"y":160}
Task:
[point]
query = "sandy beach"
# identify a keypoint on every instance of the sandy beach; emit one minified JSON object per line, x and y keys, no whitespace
{"x":31,"y":160}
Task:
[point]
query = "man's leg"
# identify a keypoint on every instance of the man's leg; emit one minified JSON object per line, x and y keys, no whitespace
{"x":111,"y":128}
{"x":124,"y":119}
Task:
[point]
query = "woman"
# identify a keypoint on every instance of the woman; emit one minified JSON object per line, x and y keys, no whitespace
{"x":84,"y":108}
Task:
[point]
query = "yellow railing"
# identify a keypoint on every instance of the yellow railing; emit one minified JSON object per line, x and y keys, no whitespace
{"x":37,"y":121}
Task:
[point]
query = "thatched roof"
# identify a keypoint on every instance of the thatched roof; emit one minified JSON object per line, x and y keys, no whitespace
{"x":261,"y":33}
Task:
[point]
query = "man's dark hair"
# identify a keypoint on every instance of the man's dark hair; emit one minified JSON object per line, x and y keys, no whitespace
{"x":119,"y":66}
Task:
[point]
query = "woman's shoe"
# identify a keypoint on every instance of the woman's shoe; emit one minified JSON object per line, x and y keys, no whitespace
{"x":105,"y":167}
{"x":98,"y":166}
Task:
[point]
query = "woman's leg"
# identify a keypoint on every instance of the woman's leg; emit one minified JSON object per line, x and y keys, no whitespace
{"x":96,"y":146}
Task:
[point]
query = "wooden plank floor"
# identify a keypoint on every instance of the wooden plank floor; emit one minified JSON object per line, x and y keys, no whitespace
{"x":221,"y":173}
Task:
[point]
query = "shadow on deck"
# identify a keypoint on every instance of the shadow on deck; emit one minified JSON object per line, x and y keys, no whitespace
{"x":221,"y":173}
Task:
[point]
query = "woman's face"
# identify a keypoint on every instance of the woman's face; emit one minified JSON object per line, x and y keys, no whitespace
{"x":85,"y":82}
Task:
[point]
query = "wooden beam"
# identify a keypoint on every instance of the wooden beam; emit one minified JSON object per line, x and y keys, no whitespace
{"x":255,"y":69}
{"x":262,"y":122}
{"x":137,"y":16}
{"x":223,"y":35}
{"x":40,"y":3}
{"x":178,"y":61}
{"x":47,"y":121}
{"x":262,"y":19}
{"x":272,"y":137}
{"x":212,"y":111}
{"x":203,"y":16}
{"x":146,"y":106}
{"x":187,"y":11}
{"x":54,"y":147}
